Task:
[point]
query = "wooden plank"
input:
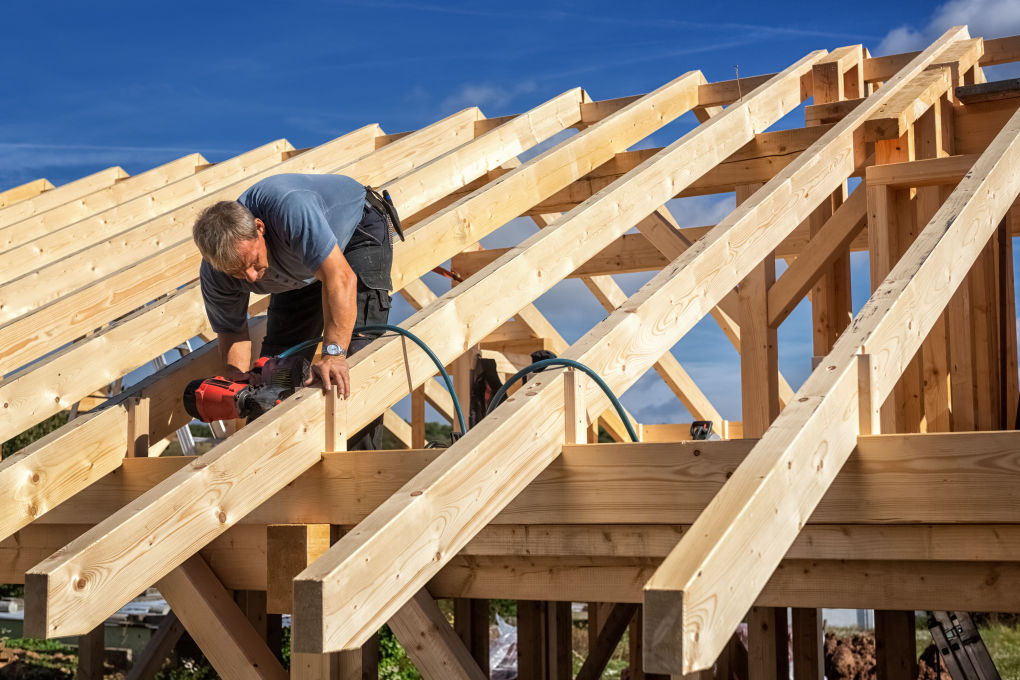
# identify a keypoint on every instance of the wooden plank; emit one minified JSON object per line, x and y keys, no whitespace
{"x":350,"y":616}
{"x":808,"y":639}
{"x":36,"y":334}
{"x":91,"y":649}
{"x":986,"y":92}
{"x":55,"y":234}
{"x":53,"y":197}
{"x":824,"y":414}
{"x":220,"y":629}
{"x":895,"y":645}
{"x":431,"y":643}
{"x":24,"y":191}
{"x":799,"y":583}
{"x":471,"y":623}
{"x":289,"y":549}
{"x":725,"y":92}
{"x":896,"y":116}
{"x":120,"y":191}
{"x":824,"y":247}
{"x":766,"y":658}
{"x":160,"y":646}
{"x":399,"y":428}
{"x":608,"y":638}
{"x":921,"y":173}
{"x":461,"y":225}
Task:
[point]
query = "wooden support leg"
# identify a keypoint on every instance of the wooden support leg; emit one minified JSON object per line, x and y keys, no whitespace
{"x":461,"y":370}
{"x":531,"y":642}
{"x":418,"y":418}
{"x":895,"y":645}
{"x":90,"y":654}
{"x":808,"y":657}
{"x":637,"y":670}
{"x":732,"y":663}
{"x":767,"y":655}
{"x":336,"y":422}
{"x":608,"y":638}
{"x":431,"y":642}
{"x":471,"y":622}
{"x":159,"y":648}
{"x":253,"y":604}
{"x":1007,"y":306}
{"x":290,"y":548}
{"x":559,"y":636}
{"x":219,"y":627}
{"x":984,"y":334}
{"x":138,"y":427}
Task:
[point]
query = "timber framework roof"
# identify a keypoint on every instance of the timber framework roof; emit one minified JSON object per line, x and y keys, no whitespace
{"x":886,"y":481}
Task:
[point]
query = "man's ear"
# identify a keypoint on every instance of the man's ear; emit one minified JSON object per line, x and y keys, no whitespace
{"x":260,"y":226}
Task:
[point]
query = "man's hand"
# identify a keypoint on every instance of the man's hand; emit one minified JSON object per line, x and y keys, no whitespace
{"x":332,"y":370}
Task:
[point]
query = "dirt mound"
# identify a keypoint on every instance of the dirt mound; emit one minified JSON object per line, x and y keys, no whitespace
{"x":850,"y":658}
{"x":929,"y":665}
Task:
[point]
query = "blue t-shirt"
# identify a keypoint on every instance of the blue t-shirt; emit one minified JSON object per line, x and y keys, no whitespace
{"x":305,"y":216}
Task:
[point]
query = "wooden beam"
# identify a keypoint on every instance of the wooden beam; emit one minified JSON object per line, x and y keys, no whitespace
{"x":289,"y":549}
{"x":160,"y":646}
{"x":24,"y":191}
{"x":896,"y":116}
{"x":808,"y":640}
{"x":431,"y":643}
{"x":351,"y":611}
{"x":895,"y":645}
{"x":91,"y":650}
{"x":608,"y":638}
{"x":51,"y":197}
{"x":220,"y":629}
{"x":41,"y":220}
{"x":461,"y":225}
{"x":825,"y":413}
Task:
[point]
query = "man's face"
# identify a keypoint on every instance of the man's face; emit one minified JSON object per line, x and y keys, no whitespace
{"x":253,"y":256}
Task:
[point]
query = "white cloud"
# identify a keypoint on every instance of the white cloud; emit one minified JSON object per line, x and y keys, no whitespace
{"x":486,"y":95}
{"x":986,"y":18}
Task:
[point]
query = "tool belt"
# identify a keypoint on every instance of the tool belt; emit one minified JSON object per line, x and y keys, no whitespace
{"x":384,"y":205}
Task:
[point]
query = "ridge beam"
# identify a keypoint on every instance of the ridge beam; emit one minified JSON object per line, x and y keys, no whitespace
{"x":357,"y":584}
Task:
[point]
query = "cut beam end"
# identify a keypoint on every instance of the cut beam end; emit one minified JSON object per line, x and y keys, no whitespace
{"x":307,"y":621}
{"x":663,"y":632}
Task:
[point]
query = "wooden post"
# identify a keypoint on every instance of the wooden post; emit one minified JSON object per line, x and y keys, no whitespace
{"x":471,"y":623}
{"x":138,"y":427}
{"x":559,"y":636}
{"x":636,"y":650}
{"x":602,"y":649}
{"x":808,"y":638}
{"x":253,"y":604}
{"x":531,"y":641}
{"x":895,"y":645}
{"x":91,"y":648}
{"x":290,"y":548}
{"x":336,"y":421}
{"x":767,"y":644}
{"x":418,"y":418}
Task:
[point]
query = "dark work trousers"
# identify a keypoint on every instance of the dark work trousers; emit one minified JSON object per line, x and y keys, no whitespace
{"x":296,"y":315}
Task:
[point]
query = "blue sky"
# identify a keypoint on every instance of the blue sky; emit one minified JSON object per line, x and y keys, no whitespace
{"x":89,"y":85}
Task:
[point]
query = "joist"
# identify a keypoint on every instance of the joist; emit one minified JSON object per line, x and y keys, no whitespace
{"x":387,"y":381}
{"x":669,"y":483}
{"x":348,"y":617}
{"x":56,"y":196}
{"x":824,"y":414}
{"x":33,"y":335}
{"x":24,"y":191}
{"x":123,"y":190}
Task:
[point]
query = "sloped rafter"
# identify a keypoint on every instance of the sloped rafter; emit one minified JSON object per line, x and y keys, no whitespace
{"x":382,"y":380}
{"x":355,"y":599}
{"x":52,"y":197}
{"x":687,"y":619}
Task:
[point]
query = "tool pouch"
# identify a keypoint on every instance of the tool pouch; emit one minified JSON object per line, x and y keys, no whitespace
{"x":384,"y":204}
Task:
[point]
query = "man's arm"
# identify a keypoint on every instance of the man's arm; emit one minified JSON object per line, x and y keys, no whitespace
{"x":235,"y":353}
{"x":339,"y":311}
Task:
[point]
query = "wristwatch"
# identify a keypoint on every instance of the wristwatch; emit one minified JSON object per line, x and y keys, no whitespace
{"x":333,"y":350}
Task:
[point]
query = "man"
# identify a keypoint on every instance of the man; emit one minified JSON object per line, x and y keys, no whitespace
{"x":320,"y":246}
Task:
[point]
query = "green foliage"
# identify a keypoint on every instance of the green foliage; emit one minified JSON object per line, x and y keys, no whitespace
{"x":188,"y":669}
{"x":41,"y":646}
{"x":12,"y":590}
{"x":200,"y":430}
{"x":394,"y":664}
{"x":505,"y":608}
{"x":31,"y":434}
{"x":441,"y":433}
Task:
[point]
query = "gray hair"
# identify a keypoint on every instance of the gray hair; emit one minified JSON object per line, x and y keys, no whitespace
{"x":219,"y":229}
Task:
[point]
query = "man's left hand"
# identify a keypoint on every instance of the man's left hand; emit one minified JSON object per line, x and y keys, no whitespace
{"x":332,"y":370}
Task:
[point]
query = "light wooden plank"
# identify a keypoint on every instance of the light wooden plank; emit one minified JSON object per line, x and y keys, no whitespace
{"x":53,"y":197}
{"x":398,"y":427}
{"x":24,"y":191}
{"x":430,"y":641}
{"x":122,"y":190}
{"x":824,"y":414}
{"x":220,"y":629}
{"x":896,"y":116}
{"x":458,"y":227}
{"x":352,"y":615}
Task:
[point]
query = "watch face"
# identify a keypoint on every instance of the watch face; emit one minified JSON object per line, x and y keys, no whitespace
{"x":333,"y":350}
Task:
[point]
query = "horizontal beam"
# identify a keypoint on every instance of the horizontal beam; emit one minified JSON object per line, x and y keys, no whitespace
{"x":653,"y":483}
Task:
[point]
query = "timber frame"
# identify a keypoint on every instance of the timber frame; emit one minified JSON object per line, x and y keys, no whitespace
{"x":886,"y":481}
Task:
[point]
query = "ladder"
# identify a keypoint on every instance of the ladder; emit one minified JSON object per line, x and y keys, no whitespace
{"x":960,"y":646}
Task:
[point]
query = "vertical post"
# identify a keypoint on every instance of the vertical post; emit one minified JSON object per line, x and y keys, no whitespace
{"x":531,"y":640}
{"x":869,"y":414}
{"x":336,"y":421}
{"x":1007,"y":305}
{"x":895,"y":645}
{"x":91,"y":648}
{"x":138,"y":427}
{"x":808,"y":658}
{"x":767,"y":647}
{"x":575,"y":408}
{"x":559,"y":635}
{"x":418,"y":418}
{"x":461,"y":370}
{"x":636,"y":649}
{"x":290,"y":548}
{"x":471,"y":623}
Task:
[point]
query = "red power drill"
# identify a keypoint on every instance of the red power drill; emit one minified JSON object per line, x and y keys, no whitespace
{"x":217,"y":398}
